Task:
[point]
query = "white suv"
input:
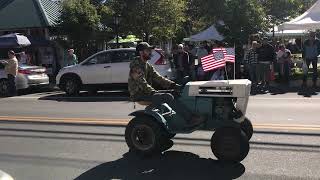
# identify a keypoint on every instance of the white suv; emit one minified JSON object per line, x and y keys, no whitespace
{"x":107,"y":70}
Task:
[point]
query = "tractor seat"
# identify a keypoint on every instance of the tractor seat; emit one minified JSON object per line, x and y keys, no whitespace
{"x":144,"y":103}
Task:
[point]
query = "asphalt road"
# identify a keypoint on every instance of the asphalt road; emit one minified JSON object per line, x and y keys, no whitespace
{"x":70,"y":144}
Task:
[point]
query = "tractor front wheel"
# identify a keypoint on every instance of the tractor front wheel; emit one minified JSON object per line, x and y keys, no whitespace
{"x":230,"y":144}
{"x":247,"y":128}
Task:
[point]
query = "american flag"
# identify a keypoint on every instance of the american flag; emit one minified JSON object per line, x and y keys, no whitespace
{"x":215,"y":60}
{"x":230,"y":55}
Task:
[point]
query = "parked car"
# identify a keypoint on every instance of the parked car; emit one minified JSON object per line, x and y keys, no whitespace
{"x":107,"y":70}
{"x":28,"y":76}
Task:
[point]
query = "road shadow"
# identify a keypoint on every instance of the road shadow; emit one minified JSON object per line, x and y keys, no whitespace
{"x":34,"y":91}
{"x":86,"y":97}
{"x":37,"y":90}
{"x":308,"y":92}
{"x":284,"y":89}
{"x":281,"y":89}
{"x":305,"y":92}
{"x":170,"y":165}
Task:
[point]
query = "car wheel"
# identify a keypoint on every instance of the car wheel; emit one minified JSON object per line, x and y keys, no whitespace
{"x":230,"y":144}
{"x":144,"y":136}
{"x":72,"y":86}
{"x":4,"y":91}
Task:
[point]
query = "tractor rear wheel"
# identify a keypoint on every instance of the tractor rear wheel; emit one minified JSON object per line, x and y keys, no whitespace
{"x":145,"y":136}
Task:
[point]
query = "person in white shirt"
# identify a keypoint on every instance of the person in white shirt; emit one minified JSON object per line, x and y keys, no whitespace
{"x":284,"y":61}
{"x":11,"y":69}
{"x":23,"y":58}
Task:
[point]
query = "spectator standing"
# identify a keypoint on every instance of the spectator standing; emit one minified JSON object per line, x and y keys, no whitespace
{"x":293,"y":47}
{"x":202,"y":51}
{"x":181,"y":60}
{"x":245,"y":74}
{"x":284,"y":61}
{"x":192,"y":56}
{"x":277,"y":46}
{"x":251,"y":63}
{"x":310,"y":53}
{"x":11,"y":69}
{"x":266,"y":57}
{"x":207,"y":46}
{"x":298,"y":43}
{"x":71,"y":58}
{"x":174,"y":52}
{"x":24,"y":58}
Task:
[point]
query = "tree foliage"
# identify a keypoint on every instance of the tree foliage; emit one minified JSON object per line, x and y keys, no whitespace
{"x":79,"y":19}
{"x":145,"y":18}
{"x":167,"y":19}
{"x":240,"y":17}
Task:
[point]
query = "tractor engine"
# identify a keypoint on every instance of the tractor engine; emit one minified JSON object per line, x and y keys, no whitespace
{"x":227,"y":97}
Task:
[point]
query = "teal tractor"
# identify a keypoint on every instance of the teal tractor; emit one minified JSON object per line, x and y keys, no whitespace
{"x":222,"y":103}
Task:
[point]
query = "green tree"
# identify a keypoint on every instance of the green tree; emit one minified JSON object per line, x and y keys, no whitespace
{"x":196,"y":19}
{"x":241,"y":17}
{"x":79,"y":20}
{"x":106,"y":26}
{"x":160,"y":19}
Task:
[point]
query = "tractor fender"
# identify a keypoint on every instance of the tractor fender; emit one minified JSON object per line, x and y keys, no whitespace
{"x":160,"y":119}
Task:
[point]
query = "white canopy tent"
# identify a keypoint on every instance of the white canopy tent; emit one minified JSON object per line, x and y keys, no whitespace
{"x":286,"y":33}
{"x":310,"y":20}
{"x":209,"y":34}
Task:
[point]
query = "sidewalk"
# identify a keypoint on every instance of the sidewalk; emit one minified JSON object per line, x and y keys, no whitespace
{"x":294,"y":83}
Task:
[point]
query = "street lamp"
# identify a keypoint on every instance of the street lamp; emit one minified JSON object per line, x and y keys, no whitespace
{"x":117,"y":22}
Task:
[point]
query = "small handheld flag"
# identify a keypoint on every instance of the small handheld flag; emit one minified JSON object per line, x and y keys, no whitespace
{"x":230,"y":55}
{"x":215,"y":60}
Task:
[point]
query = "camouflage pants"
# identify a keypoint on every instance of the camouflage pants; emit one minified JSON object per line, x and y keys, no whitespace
{"x":159,"y":98}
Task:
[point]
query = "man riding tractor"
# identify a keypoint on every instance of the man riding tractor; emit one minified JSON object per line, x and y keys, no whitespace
{"x":142,"y":79}
{"x":218,"y":106}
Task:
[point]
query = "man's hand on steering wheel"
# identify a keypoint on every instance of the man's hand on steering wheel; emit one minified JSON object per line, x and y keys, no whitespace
{"x":177,"y":88}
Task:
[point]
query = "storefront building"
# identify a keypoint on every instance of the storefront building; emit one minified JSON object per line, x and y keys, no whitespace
{"x":34,"y":19}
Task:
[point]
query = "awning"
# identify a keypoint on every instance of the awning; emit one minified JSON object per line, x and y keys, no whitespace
{"x":310,"y":20}
{"x":38,"y":41}
{"x":14,"y":41}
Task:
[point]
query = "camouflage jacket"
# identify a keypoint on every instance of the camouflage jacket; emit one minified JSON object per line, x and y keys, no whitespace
{"x":142,"y":77}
